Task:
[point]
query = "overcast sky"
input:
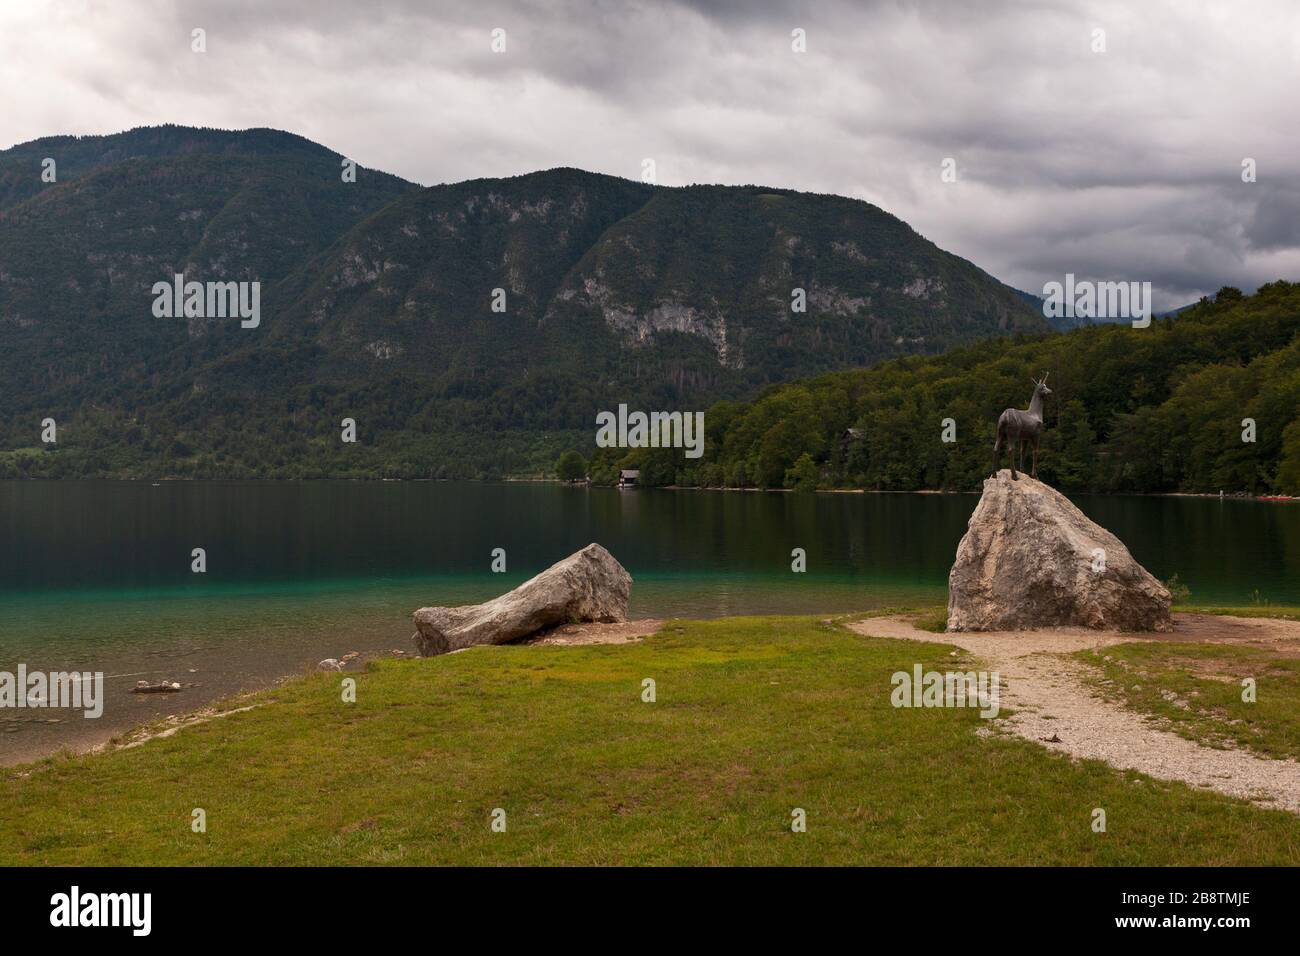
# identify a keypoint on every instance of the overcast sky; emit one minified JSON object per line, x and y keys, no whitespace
{"x":1122,"y":164}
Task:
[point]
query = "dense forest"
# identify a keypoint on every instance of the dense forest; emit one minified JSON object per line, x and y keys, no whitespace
{"x":1159,"y":409}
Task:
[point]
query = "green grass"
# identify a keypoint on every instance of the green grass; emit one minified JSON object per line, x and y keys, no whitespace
{"x":933,"y":619}
{"x":1197,"y":688}
{"x":753,"y":717}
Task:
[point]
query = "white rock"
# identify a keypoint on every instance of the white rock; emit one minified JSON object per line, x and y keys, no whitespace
{"x":1027,"y":560}
{"x":589,"y":585}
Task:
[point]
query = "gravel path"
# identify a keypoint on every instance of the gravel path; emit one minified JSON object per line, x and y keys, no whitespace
{"x":1051,"y":698}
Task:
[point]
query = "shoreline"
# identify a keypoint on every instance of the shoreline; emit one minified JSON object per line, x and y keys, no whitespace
{"x":300,"y":777}
{"x":79,"y":737}
{"x":215,"y":675}
{"x":1228,"y":496}
{"x":90,"y":737}
{"x":215,"y":699}
{"x":1234,"y":496}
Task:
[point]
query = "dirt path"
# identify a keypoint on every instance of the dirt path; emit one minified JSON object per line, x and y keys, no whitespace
{"x":1051,"y":698}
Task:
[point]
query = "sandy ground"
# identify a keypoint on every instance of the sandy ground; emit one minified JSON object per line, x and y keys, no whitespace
{"x":573,"y":635}
{"x":1054,"y":707}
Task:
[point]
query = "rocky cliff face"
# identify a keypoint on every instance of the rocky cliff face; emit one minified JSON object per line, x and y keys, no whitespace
{"x":1031,"y":559}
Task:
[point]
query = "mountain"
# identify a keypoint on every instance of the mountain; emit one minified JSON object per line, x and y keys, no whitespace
{"x":377,"y":304}
{"x":21,"y":169}
{"x":1159,"y":409}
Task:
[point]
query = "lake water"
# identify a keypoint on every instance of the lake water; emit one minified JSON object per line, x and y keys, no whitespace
{"x":97,"y":575}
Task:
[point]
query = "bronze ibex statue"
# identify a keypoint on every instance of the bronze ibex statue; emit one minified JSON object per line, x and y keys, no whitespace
{"x":1017,"y":428}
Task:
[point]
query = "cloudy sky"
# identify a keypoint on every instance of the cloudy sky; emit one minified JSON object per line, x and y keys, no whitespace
{"x":1122,"y":163}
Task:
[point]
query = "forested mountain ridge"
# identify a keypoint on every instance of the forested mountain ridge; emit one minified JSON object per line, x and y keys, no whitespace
{"x":1206,"y":400}
{"x":23,"y":173}
{"x":377,"y":303}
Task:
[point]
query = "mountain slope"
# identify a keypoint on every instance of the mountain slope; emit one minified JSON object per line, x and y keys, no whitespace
{"x":377,"y":304}
{"x":675,"y":280}
{"x":78,"y":258}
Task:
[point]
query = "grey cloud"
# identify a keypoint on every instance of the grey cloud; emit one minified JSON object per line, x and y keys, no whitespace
{"x":1275,"y":223}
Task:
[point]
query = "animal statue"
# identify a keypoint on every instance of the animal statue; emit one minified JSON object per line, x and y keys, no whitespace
{"x":1018,"y":428}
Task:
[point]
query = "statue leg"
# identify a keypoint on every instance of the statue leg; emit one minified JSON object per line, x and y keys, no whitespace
{"x":1035,"y":474}
{"x":1011,"y":458}
{"x":997,"y":444}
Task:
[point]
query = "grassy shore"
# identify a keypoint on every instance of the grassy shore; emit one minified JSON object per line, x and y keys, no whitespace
{"x":753,"y":718}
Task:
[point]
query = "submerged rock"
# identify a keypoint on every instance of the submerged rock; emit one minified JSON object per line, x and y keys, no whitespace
{"x":1031,"y":559}
{"x":589,"y":585}
{"x":163,"y":687}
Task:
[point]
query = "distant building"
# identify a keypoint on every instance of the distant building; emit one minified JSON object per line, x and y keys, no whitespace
{"x":628,"y":477}
{"x":849,"y":438}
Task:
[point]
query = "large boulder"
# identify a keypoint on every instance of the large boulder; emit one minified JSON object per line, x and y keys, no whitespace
{"x":1032,"y":559}
{"x":589,"y":585}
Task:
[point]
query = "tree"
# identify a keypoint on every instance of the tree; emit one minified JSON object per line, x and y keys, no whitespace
{"x":571,"y":467}
{"x":1068,"y":454}
{"x":802,"y":475}
{"x":1288,"y":474}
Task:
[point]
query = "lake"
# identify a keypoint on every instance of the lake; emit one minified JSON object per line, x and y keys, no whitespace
{"x":97,"y":575}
